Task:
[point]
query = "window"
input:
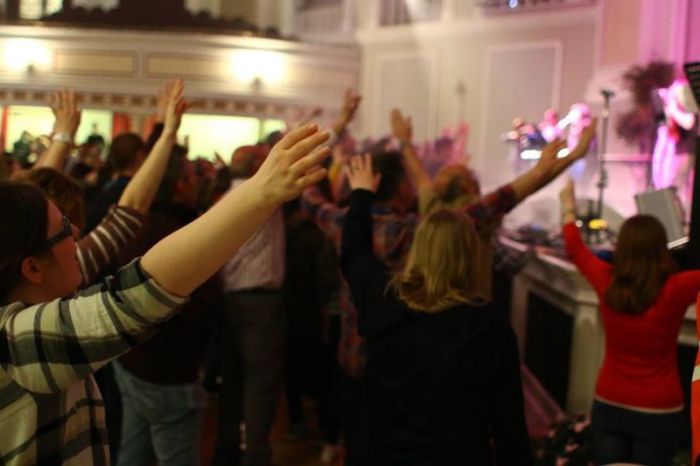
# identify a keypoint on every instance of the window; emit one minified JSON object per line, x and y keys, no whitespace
{"x":37,"y":9}
{"x":207,"y":134}
{"x":38,"y":121}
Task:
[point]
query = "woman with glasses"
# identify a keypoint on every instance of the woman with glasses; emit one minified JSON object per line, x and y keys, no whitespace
{"x":51,"y":411}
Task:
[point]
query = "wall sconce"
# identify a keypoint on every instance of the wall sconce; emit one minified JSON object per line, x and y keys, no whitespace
{"x":259,"y":67}
{"x":26,"y":55}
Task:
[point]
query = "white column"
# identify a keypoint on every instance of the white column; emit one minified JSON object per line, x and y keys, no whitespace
{"x":370,"y":10}
{"x":587,"y":349}
{"x":289,"y":18}
{"x":681,"y":11}
{"x":267,"y":14}
{"x":663,"y":31}
{"x":349,"y":13}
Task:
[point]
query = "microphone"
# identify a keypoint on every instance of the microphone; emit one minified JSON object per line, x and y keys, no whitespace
{"x":607,"y":93}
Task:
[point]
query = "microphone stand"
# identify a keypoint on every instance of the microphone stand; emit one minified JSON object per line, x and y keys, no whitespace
{"x":602,"y":150}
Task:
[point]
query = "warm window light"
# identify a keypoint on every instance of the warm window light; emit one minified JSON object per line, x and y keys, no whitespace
{"x":250,"y":66}
{"x":26,"y":55}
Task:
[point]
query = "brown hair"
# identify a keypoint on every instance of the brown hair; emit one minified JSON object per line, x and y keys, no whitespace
{"x":455,"y":181}
{"x":641,"y":266}
{"x":23,"y":227}
{"x":124,"y":150}
{"x":441,"y":269}
{"x":61,"y":189}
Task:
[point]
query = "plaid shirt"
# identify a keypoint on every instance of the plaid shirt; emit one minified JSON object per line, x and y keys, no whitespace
{"x":51,"y":411}
{"x":392,"y":236}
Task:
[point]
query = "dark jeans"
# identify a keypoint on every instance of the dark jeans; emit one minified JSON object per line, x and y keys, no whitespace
{"x":625,"y":436}
{"x":159,"y":420}
{"x":252,"y":371}
{"x":316,"y":363}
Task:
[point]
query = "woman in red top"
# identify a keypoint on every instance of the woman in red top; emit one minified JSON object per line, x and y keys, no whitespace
{"x":638,"y":404}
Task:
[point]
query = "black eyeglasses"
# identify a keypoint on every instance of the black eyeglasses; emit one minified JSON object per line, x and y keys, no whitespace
{"x":67,"y":231}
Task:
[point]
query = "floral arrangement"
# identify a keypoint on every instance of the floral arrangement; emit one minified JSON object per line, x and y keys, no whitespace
{"x":636,"y":127}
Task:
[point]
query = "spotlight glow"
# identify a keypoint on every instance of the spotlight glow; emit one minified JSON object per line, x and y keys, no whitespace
{"x":513,"y":3}
{"x":25,"y":54}
{"x":534,"y":154}
{"x":248,"y":66}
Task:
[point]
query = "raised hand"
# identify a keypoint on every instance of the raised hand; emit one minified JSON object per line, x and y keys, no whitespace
{"x":401,"y":127}
{"x":567,"y":196}
{"x":162,"y":97}
{"x":361,"y":175}
{"x":550,"y":155}
{"x":175,"y":106}
{"x":350,"y":103}
{"x":66,"y":112}
{"x":584,"y":142}
{"x":347,"y":112}
{"x":293,"y":164}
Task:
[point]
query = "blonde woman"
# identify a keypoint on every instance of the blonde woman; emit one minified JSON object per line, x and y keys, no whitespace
{"x":443,"y":374}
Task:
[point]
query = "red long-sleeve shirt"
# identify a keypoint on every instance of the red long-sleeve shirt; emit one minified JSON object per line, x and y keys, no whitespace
{"x":640,"y":365}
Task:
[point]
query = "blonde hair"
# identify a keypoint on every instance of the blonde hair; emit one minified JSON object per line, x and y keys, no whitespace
{"x":442,"y":265}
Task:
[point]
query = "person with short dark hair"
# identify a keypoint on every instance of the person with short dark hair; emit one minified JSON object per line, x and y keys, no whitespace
{"x":162,"y":400}
{"x":126,"y":154}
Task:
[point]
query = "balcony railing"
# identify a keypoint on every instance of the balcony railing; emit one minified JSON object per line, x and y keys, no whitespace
{"x":322,"y":19}
{"x":396,"y":12}
{"x":515,"y":6}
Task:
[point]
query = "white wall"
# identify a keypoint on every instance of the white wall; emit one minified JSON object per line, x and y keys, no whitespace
{"x":693,"y":42}
{"x":508,"y":66}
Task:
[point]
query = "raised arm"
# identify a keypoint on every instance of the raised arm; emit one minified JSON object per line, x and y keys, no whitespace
{"x":488,"y":210}
{"x":67,"y":114}
{"x":357,"y":229}
{"x":588,"y":263}
{"x":142,"y":188}
{"x":337,"y":172}
{"x":347,"y":112}
{"x":101,"y":246}
{"x":402,"y":129}
{"x":162,"y":110}
{"x":365,"y":274}
{"x":567,"y":200}
{"x":187,"y":258}
{"x":549,"y":166}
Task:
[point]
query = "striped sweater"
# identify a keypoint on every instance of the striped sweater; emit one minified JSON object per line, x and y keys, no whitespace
{"x":102,"y":245}
{"x":51,"y":411}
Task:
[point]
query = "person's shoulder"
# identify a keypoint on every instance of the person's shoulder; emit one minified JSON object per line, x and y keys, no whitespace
{"x":482,"y":314}
{"x":11,"y":308}
{"x":686,"y":278}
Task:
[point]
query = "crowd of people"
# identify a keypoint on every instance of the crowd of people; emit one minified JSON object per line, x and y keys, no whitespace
{"x":132,"y":285}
